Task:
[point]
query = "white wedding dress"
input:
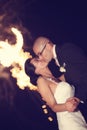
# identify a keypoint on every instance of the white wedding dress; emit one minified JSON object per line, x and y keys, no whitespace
{"x":68,"y":120}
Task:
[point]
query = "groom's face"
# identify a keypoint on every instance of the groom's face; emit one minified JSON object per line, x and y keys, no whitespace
{"x":39,"y":49}
{"x":44,"y":52}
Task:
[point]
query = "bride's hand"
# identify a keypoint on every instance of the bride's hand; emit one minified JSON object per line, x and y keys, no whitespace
{"x":74,"y":99}
{"x":72,"y":104}
{"x":70,"y":107}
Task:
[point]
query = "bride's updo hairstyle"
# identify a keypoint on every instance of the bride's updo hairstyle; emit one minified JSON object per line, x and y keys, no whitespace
{"x":30,"y":71}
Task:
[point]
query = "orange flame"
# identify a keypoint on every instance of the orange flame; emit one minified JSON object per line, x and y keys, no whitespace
{"x":14,"y":55}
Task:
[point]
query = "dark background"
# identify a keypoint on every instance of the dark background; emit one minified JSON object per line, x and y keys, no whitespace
{"x":60,"y":21}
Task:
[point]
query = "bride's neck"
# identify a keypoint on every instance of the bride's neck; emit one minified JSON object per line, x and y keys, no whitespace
{"x":46,"y":73}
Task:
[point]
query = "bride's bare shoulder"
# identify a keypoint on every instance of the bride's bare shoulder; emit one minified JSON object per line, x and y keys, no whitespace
{"x":42,"y":80}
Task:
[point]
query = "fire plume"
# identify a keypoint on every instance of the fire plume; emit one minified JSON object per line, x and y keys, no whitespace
{"x":14,"y":56}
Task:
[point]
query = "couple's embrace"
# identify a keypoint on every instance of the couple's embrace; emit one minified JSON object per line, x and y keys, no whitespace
{"x":56,"y":92}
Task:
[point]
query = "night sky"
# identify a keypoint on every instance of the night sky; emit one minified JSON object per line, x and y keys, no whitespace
{"x":61,"y":22}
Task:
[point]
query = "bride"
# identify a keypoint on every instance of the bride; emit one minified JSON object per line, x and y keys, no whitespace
{"x":56,"y":94}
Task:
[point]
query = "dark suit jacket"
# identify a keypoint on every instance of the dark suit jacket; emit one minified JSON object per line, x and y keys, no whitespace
{"x":76,"y":71}
{"x":76,"y":67}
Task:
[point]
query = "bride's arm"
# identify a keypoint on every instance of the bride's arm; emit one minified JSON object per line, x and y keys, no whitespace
{"x":47,"y":95}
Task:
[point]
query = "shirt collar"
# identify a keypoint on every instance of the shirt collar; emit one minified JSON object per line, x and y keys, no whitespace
{"x":55,"y":56}
{"x":54,"y":52}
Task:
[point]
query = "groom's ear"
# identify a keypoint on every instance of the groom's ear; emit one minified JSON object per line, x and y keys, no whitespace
{"x":48,"y":46}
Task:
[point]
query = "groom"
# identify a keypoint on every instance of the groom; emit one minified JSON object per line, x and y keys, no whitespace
{"x":72,"y":62}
